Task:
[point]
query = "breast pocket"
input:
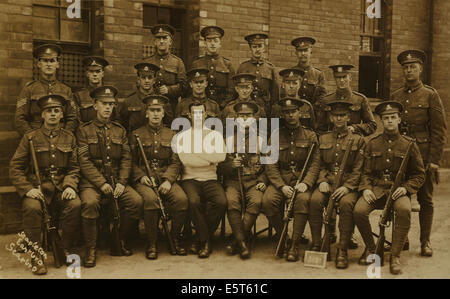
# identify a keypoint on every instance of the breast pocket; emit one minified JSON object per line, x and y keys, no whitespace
{"x":42,"y":155}
{"x":326,"y":153}
{"x":351,"y":156}
{"x":355,"y":114}
{"x":87,"y":113}
{"x":136,"y":117}
{"x":222,"y":77}
{"x":63,"y":155}
{"x":170,"y":76}
{"x":418,"y":113}
{"x":301,"y":151}
{"x":283,"y":154}
{"x":398,"y":158}
{"x":94,"y":151}
{"x":376,"y":161}
{"x":165,"y":150}
{"x":116,"y":147}
{"x":423,"y":141}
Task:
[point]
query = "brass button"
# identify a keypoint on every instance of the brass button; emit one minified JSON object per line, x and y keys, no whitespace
{"x":292,"y":153}
{"x":387,"y":160}
{"x":389,"y":150}
{"x":53,"y":155}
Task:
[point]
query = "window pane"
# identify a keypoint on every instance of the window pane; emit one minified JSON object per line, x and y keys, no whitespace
{"x":163,"y":15}
{"x":45,"y":25}
{"x":150,"y":18}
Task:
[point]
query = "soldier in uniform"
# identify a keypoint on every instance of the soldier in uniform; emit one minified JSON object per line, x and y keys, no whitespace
{"x":291,"y":83}
{"x":243,"y":84}
{"x":28,"y":113}
{"x":312,"y":87}
{"x":207,"y":200}
{"x":94,"y":185}
{"x":198,"y":81}
{"x":332,"y":147}
{"x":361,"y":117}
{"x":132,"y":110}
{"x":56,"y":155}
{"x":251,"y":180}
{"x":423,"y":118}
{"x":265,"y":84}
{"x":166,"y":166}
{"x":171,"y":77}
{"x":95,"y":70}
{"x":295,"y":142}
{"x":383,"y":156}
{"x":220,"y":84}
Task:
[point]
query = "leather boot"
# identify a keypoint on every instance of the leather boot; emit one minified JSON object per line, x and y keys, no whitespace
{"x":151,"y":219}
{"x":232,"y":247}
{"x":244,"y":252}
{"x":89,"y":227}
{"x":341,"y":259}
{"x":126,"y":224}
{"x":352,"y":244}
{"x":292,"y":255}
{"x":204,"y":250}
{"x":178,"y":219}
{"x":395,"y":266}
{"x":363,"y":259}
{"x":38,"y":265}
{"x":425,"y":249}
{"x":151,"y":252}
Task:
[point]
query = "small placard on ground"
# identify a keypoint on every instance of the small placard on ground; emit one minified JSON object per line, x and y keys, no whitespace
{"x":315,"y":259}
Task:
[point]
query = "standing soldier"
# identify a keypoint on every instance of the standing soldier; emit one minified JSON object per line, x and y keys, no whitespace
{"x":94,"y":183}
{"x":265,"y":83}
{"x":312,"y":86}
{"x":58,"y":166}
{"x":166,"y":166}
{"x":28,"y":114}
{"x":198,"y":81}
{"x":283,"y":175}
{"x":243,"y":84}
{"x":423,"y":119}
{"x":332,"y":148}
{"x":361,"y":117}
{"x":383,"y":156}
{"x":171,"y":76}
{"x":95,"y":70}
{"x":243,"y":177}
{"x":132,"y":110}
{"x":220,"y":83}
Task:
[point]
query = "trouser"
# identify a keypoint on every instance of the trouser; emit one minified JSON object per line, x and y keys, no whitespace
{"x":319,"y":201}
{"x":68,"y":212}
{"x":175,"y":202}
{"x":252,"y":198}
{"x":402,"y":210}
{"x":207,"y":205}
{"x":425,"y":199}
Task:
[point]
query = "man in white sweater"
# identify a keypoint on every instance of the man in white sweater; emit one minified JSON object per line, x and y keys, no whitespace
{"x":200,"y":150}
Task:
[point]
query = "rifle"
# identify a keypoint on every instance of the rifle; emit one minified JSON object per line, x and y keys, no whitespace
{"x":385,"y":217}
{"x":164,"y":216}
{"x":116,"y":248}
{"x":328,"y":213}
{"x":241,"y":190}
{"x":159,"y":81}
{"x":288,"y":212}
{"x":50,"y":232}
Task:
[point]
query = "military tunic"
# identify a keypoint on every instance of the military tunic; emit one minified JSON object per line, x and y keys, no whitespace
{"x":361,"y":117}
{"x":228,"y":111}
{"x":212,"y":108}
{"x":56,"y":154}
{"x":28,"y":113}
{"x":85,"y":106}
{"x":220,"y":83}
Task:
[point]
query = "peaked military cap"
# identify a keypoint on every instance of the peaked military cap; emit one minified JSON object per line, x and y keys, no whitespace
{"x":52,"y":100}
{"x":410,"y":56}
{"x":47,"y":50}
{"x":144,"y":68}
{"x":303,"y":42}
{"x":197,"y":72}
{"x":256,"y":38}
{"x":95,"y":62}
{"x":339,"y":107}
{"x":291,"y":74}
{"x":243,"y":78}
{"x":245,"y":107}
{"x":341,"y":69}
{"x":155,"y":100}
{"x":388,"y":107}
{"x":106,"y":93}
{"x":212,"y":31}
{"x":163,"y":30}
{"x":289,"y":103}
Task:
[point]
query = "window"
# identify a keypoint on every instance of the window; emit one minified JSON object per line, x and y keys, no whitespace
{"x":164,"y":15}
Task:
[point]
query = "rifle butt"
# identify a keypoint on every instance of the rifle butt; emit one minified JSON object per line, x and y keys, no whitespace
{"x":57,"y":249}
{"x":282,"y":240}
{"x":379,"y":249}
{"x":169,"y":237}
{"x":116,"y":249}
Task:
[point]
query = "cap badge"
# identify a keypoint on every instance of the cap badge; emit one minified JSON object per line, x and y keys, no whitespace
{"x":107,"y":90}
{"x":197,"y":74}
{"x":388,"y":107}
{"x":160,"y":30}
{"x":339,"y":69}
{"x":291,"y":74}
{"x":302,"y":44}
{"x":242,"y":80}
{"x":48,"y":51}
{"x":155,"y":101}
{"x":288,"y":102}
{"x":146,"y":68}
{"x":409,"y":56}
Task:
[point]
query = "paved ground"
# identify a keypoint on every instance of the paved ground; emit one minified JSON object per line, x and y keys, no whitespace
{"x":262,"y":264}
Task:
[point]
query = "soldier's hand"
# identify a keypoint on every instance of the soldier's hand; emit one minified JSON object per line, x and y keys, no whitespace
{"x":341,"y":191}
{"x":261,"y":187}
{"x":165,"y":187}
{"x":287,"y":191}
{"x":302,"y":187}
{"x":399,"y":192}
{"x":68,"y":194}
{"x":324,"y":187}
{"x":119,"y":190}
{"x":145,"y":180}
{"x":163,"y":89}
{"x":35,"y":194}
{"x":433,"y":166}
{"x":106,"y":189}
{"x":369,"y":196}
{"x":237,"y":162}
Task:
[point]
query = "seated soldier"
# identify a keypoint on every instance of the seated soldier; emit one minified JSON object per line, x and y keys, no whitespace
{"x":383,"y":156}
{"x":56,"y":155}
{"x":332,"y":148}
{"x":244,"y":180}
{"x":166,"y":166}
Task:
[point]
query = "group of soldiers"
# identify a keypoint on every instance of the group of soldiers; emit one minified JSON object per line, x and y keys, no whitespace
{"x":76,"y":136}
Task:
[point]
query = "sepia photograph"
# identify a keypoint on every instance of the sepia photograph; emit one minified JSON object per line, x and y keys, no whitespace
{"x":220,"y":145}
